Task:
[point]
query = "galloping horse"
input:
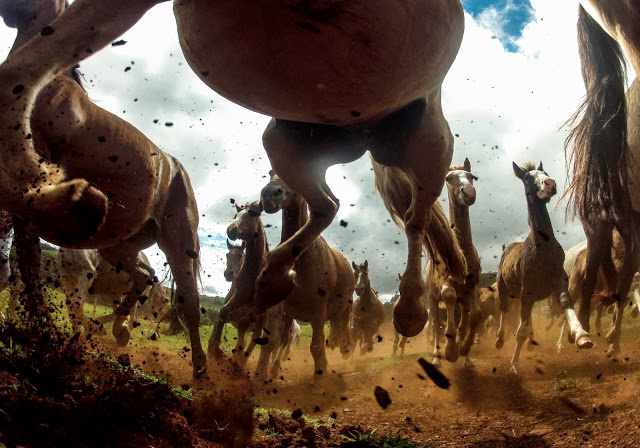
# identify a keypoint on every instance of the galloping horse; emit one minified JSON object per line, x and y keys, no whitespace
{"x":147,"y":193}
{"x":83,"y":272}
{"x":338,"y":77}
{"x":532,"y":270}
{"x":324,"y":282}
{"x":368,"y":311}
{"x":456,"y":291}
{"x":604,"y":191}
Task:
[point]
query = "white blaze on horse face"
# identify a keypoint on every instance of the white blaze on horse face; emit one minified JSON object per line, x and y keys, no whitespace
{"x":546,"y":185}
{"x":461,"y":183}
{"x":361,"y":284}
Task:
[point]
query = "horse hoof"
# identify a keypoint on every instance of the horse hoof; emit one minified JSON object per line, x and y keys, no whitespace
{"x":273,"y":286}
{"x":513,"y":370}
{"x":451,"y":352}
{"x":199,"y":361}
{"x":613,"y":351}
{"x":583,"y":341}
{"x":468,"y":364}
{"x":499,"y":343}
{"x":122,"y":336}
{"x":409,"y":319}
{"x":436,"y":361}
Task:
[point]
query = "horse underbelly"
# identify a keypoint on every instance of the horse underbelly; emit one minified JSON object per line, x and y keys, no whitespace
{"x":321,"y":61}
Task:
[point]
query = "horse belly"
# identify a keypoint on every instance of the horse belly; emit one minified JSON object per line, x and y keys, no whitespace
{"x":321,"y":61}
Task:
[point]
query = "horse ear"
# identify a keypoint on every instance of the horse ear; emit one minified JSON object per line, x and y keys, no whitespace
{"x":238,"y":207}
{"x":353,"y":264}
{"x":540,"y":167}
{"x":229,"y":245}
{"x":366,"y":264}
{"x":272,"y":173}
{"x":518,"y":171}
{"x":467,"y":164}
{"x":400,"y":277}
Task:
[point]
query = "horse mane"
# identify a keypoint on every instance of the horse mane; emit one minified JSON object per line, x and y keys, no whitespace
{"x":600,"y":153}
{"x":528,"y":166}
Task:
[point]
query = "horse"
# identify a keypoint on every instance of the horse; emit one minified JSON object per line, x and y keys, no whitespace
{"x":83,"y":272}
{"x":604,"y":147}
{"x":324,"y":281}
{"x":452,"y":291}
{"x":329,"y":110}
{"x":246,"y":226}
{"x":368,"y":311}
{"x":532,"y":270}
{"x":490,"y":307}
{"x":132,"y":192}
{"x":400,"y":341}
{"x":603,"y":297}
{"x":235,"y":258}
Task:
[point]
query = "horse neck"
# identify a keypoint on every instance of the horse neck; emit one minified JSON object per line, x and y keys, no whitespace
{"x":539,"y":221}
{"x":459,"y":217}
{"x":255,"y":254}
{"x":368,"y":295}
{"x":294,"y":216}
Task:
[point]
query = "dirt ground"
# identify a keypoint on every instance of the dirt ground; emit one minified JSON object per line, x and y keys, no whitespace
{"x":576,"y":398}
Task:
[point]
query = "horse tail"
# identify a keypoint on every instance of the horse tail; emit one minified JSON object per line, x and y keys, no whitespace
{"x":442,"y":245}
{"x":600,"y":155}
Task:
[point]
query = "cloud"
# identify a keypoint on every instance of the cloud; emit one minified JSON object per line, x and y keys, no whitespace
{"x":514,"y":83}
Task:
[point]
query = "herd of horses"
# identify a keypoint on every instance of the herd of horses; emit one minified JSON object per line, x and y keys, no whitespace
{"x":368,"y":78}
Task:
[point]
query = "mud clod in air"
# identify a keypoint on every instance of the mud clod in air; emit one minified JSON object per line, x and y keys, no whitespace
{"x":382,"y":397}
{"x":436,"y":376}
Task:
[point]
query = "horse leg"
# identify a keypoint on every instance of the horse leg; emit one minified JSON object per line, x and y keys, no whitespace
{"x":126,"y":259}
{"x":598,"y":247}
{"x":475,"y":316}
{"x":627,"y":271}
{"x":635,"y":308}
{"x":73,"y":208}
{"x":179,"y":242}
{"x":28,"y":256}
{"x":434,"y":318}
{"x":561,"y":292}
{"x":213,"y":348}
{"x":317,"y":348}
{"x":301,"y":153}
{"x":243,"y":326}
{"x":396,"y":339}
{"x":503,"y":303}
{"x":523,"y":330}
{"x":560,"y":345}
{"x":418,"y":141}
{"x":403,"y":342}
{"x":599,"y":309}
{"x":449,"y":297}
{"x":269,"y":327}
{"x":286,"y":338}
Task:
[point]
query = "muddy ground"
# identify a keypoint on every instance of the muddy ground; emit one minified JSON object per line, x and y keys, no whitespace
{"x":576,"y":398}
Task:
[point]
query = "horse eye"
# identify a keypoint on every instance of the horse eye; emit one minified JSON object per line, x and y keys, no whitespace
{"x":448,"y":178}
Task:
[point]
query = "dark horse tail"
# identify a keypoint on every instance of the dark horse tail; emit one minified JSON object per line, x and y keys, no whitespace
{"x":600,"y":154}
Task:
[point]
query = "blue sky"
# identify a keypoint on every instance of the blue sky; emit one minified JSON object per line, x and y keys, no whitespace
{"x":507,"y":18}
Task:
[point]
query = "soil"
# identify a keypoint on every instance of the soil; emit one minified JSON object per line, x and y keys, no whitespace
{"x":52,"y":393}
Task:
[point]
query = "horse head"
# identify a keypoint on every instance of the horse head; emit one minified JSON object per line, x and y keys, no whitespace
{"x":459,"y":182}
{"x":536,"y":181}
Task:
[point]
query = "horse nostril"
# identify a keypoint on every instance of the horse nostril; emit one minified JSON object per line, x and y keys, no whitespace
{"x":279,"y":192}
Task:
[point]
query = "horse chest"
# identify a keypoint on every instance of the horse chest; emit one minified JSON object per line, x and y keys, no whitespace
{"x":312,"y":61}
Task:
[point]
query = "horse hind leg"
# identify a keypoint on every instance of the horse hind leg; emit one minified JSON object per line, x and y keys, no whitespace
{"x":472,"y":309}
{"x":301,"y":153}
{"x":449,"y":297}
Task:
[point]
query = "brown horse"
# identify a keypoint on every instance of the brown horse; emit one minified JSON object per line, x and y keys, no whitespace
{"x":248,"y":227}
{"x":147,"y":193}
{"x":329,"y":110}
{"x":368,"y":311}
{"x":455,"y":291}
{"x":604,"y":191}
{"x":83,"y":272}
{"x":324,"y":282}
{"x":532,"y":270}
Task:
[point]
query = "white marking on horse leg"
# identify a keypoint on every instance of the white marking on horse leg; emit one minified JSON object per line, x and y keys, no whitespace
{"x":581,"y":336}
{"x":448,"y":295}
{"x":560,"y":344}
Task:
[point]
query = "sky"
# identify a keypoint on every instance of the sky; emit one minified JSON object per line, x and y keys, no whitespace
{"x":515,"y":82}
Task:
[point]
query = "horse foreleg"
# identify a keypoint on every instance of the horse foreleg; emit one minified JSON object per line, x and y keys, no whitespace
{"x":396,"y":339}
{"x":576,"y":330}
{"x":560,"y":344}
{"x":29,"y":186}
{"x":475,"y":316}
{"x":318,"y":350}
{"x":503,"y":304}
{"x":449,"y":297}
{"x":523,"y":331}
